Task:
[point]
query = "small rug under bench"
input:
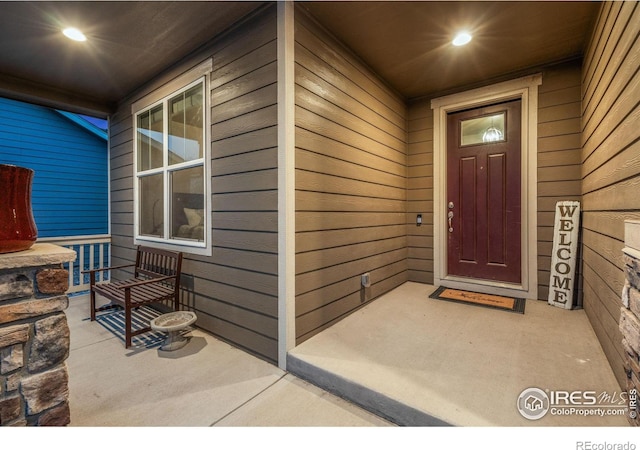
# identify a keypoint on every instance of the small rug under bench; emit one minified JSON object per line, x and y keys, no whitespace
{"x":511,"y":304}
{"x":113,"y":320}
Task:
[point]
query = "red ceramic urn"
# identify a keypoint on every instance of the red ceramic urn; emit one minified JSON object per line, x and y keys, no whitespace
{"x":17,"y":228}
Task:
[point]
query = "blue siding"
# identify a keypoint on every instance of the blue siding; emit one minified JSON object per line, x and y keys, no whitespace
{"x":70,"y":186}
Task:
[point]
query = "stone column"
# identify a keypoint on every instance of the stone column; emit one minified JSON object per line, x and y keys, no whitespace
{"x":630,"y":316}
{"x":34,"y":336}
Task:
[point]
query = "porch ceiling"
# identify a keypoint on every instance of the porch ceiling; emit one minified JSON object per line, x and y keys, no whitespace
{"x":407,"y":43}
{"x":128,"y":43}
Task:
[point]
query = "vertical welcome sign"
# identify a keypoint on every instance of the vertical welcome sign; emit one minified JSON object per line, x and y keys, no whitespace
{"x":564,"y":256}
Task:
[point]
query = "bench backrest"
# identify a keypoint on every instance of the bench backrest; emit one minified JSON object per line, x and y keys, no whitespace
{"x":155,"y":263}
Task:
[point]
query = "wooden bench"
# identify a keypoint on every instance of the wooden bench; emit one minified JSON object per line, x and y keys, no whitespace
{"x":156,"y":279}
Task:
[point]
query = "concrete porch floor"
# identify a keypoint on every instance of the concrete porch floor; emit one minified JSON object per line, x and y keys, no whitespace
{"x":420,"y":361}
{"x":207,"y":383}
{"x":405,"y":358}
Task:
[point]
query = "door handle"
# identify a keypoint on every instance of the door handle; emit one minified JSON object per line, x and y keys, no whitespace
{"x":450,"y":217}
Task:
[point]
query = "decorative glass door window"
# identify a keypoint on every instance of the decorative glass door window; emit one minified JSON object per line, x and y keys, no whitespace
{"x":483,"y":130}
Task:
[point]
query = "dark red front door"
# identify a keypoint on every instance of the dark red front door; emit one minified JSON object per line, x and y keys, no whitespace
{"x":483,"y":193}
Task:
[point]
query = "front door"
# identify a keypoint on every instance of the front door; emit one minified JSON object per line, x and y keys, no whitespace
{"x":483,"y":193}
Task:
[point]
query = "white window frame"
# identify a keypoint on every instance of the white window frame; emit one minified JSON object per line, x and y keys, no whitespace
{"x":162,"y":95}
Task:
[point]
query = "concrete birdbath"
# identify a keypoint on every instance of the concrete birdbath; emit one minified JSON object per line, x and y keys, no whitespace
{"x":173,"y":324}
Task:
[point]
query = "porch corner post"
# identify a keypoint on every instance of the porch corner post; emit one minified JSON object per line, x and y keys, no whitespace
{"x":286,"y":181}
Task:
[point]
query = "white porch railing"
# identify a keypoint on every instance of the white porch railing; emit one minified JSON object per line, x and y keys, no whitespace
{"x":92,"y":252}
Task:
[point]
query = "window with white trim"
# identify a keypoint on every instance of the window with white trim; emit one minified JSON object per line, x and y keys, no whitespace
{"x":171,"y":207}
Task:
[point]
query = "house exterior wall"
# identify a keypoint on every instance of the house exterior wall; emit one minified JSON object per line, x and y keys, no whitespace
{"x":350,"y":181}
{"x":364,"y":170}
{"x":558,"y":156}
{"x":57,"y":149}
{"x":234,"y":291}
{"x":420,"y":191}
{"x":558,"y":169}
{"x":610,"y":166}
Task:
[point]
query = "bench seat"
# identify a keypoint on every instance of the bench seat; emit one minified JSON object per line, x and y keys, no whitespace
{"x":140,"y":295}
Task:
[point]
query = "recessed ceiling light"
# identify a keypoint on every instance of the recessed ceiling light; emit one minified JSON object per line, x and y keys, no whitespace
{"x":75,"y":34}
{"x":461,"y":38}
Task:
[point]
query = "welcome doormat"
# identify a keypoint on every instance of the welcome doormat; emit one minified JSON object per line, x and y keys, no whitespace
{"x":476,"y":298}
{"x":140,"y":318}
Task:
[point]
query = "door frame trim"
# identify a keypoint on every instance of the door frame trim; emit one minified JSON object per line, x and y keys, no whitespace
{"x":526,"y":89}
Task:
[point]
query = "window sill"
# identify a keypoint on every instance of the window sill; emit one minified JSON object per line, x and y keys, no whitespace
{"x":196,"y":249}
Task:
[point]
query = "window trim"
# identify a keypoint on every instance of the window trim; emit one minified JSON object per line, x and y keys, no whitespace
{"x":162,"y":95}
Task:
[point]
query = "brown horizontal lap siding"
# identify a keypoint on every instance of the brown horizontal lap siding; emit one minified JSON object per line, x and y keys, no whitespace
{"x":420,"y":192}
{"x":559,"y":161}
{"x":121,"y":184}
{"x":610,"y":166}
{"x":350,"y":182}
{"x":234,"y":291}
